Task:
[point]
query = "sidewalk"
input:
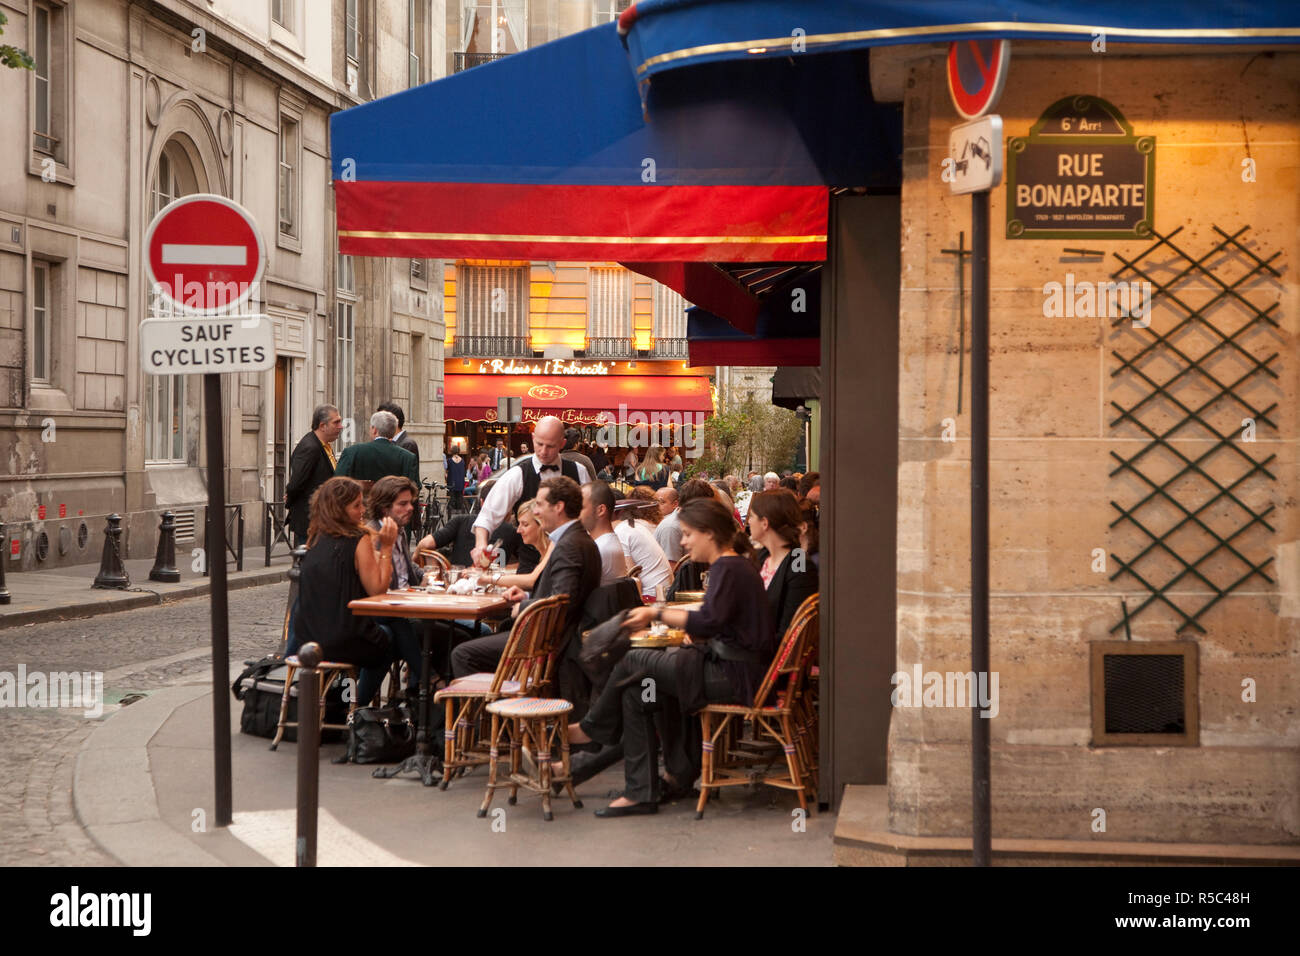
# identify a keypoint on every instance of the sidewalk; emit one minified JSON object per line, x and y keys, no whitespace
{"x":143,"y":783}
{"x":63,"y":594}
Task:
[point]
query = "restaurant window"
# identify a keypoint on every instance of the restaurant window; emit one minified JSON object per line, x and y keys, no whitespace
{"x":609,"y":310}
{"x":288,"y":182}
{"x":494,"y":27}
{"x":50,"y":84}
{"x":492,"y":301}
{"x":42,"y":301}
{"x":345,"y":345}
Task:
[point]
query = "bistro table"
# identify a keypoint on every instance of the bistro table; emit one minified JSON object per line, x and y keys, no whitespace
{"x":429,"y":606}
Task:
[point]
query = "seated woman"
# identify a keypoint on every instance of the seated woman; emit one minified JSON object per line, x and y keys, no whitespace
{"x":788,"y":571}
{"x":532,"y":534}
{"x":737,"y":622}
{"x":345,"y":561}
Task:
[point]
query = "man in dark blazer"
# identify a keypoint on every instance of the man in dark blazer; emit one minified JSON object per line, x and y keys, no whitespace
{"x":401,"y":439}
{"x":379,"y":457}
{"x":311,"y":465}
{"x":573,"y":568}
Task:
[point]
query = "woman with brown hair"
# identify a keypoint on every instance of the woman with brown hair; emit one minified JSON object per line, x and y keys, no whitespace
{"x":346,"y":560}
{"x":787,"y":570}
{"x":730,"y":644}
{"x":652,"y":473}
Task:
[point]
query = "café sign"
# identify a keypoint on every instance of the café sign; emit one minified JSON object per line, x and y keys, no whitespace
{"x":549,"y":367}
{"x":1080,"y":173}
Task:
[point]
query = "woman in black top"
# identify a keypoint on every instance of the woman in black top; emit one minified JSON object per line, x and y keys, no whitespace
{"x":788,"y":571}
{"x":727,"y":667}
{"x":345,"y":561}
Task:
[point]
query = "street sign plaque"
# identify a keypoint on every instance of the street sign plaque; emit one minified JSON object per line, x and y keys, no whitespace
{"x":193,"y":344}
{"x":975,"y":150}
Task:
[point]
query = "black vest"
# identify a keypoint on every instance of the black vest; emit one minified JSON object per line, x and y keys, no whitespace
{"x":533,"y":481}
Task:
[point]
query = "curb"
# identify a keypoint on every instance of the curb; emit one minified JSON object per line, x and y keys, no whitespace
{"x":112,"y":786}
{"x":130,"y":600}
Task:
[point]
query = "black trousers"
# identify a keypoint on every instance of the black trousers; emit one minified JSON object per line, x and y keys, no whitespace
{"x":650,"y":702}
{"x":479,"y":655}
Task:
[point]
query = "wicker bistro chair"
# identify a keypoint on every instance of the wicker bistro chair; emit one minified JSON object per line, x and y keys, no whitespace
{"x":538,"y":723}
{"x":330,"y":671}
{"x":784,"y":721}
{"x":527,"y":667}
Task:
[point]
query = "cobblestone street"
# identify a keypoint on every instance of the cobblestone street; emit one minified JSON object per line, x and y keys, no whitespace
{"x":138,"y":652}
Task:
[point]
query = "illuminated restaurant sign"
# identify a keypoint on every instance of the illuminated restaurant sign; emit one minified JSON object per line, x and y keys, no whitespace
{"x":549,"y":367}
{"x":1081,"y":173}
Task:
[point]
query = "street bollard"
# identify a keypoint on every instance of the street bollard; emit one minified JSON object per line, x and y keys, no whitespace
{"x":308,"y":751}
{"x":4,"y":552}
{"x":112,"y":574}
{"x":164,"y":562}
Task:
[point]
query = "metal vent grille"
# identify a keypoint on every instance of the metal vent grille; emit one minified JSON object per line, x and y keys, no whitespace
{"x":184,"y":526}
{"x":1144,"y":693}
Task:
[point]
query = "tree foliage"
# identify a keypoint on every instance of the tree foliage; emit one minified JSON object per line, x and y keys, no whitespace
{"x":749,"y":430}
{"x":11,"y":56}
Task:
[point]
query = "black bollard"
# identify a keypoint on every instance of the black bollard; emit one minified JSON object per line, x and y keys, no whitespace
{"x":112,"y":573}
{"x":164,"y":562}
{"x":308,"y":752}
{"x":4,"y":554}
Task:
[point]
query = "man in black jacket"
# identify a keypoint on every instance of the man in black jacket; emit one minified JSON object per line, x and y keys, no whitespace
{"x":401,"y":439}
{"x":311,"y":465}
{"x":572,"y":568}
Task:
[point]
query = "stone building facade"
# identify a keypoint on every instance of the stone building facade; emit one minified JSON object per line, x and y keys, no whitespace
{"x":131,"y":106}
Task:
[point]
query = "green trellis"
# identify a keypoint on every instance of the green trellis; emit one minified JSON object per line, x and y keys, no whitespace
{"x":1226,"y":447}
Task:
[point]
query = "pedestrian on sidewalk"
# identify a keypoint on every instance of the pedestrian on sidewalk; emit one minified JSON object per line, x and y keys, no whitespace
{"x":311,"y":465}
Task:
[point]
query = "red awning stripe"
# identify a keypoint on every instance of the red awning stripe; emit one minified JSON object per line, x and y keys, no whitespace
{"x":587,"y":399}
{"x":755,"y":352}
{"x":621,"y":223}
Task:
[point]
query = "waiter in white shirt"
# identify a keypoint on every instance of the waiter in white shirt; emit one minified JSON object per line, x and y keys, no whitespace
{"x":521,"y":481}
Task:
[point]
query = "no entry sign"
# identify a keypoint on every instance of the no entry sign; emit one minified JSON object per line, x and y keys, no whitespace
{"x":977,"y":72}
{"x":204,"y":253}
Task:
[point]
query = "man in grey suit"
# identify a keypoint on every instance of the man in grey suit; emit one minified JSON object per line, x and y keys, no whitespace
{"x":379,"y":457}
{"x":572,"y":568}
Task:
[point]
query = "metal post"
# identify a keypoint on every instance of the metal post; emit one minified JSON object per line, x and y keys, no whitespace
{"x":215,"y":547}
{"x":112,"y":573}
{"x":308,"y":752}
{"x":982,"y":823}
{"x":164,"y":562}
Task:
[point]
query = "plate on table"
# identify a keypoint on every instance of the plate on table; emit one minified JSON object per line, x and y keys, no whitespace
{"x":674,"y":637}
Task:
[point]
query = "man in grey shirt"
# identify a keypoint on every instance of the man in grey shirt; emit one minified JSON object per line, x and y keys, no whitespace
{"x":669,"y":532}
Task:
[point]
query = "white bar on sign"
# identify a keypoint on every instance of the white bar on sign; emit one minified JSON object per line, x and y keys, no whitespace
{"x":182,"y":254}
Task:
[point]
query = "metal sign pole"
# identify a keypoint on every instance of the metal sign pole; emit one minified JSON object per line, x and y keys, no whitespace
{"x":216,"y":558}
{"x":982,"y":828}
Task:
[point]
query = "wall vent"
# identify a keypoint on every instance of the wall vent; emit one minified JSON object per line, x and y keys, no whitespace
{"x":184,"y":526}
{"x":1145,"y":693}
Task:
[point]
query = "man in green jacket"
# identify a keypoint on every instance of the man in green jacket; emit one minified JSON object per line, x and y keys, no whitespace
{"x":379,"y":457}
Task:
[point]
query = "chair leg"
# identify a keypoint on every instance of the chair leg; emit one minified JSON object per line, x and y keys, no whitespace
{"x":565,"y":760}
{"x":706,"y":762}
{"x":284,"y":707}
{"x":517,"y":729}
{"x":492,"y":767}
{"x":792,"y":761}
{"x":546,"y":735}
{"x":448,"y":742}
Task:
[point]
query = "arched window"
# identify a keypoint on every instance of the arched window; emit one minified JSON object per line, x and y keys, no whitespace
{"x":171,"y":404}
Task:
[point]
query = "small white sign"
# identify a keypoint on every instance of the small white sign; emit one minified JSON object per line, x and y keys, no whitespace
{"x":975,"y":149}
{"x":189,"y":346}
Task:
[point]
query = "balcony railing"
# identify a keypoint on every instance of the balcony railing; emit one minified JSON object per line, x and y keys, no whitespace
{"x":491,"y":346}
{"x":669,"y":349}
{"x":610,"y":348}
{"x":463,"y":61}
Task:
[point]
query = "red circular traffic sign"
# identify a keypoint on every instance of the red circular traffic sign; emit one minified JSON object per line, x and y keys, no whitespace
{"x":977,"y":72}
{"x":205,"y":254}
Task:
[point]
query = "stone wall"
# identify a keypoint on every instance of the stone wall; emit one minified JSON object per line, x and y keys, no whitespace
{"x":1053,"y":447}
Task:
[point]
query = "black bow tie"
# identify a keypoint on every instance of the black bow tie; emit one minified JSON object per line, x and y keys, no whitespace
{"x":546,"y":468}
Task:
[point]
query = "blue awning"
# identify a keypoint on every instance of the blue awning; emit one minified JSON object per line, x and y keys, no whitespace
{"x":664,"y":34}
{"x":551,"y":154}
